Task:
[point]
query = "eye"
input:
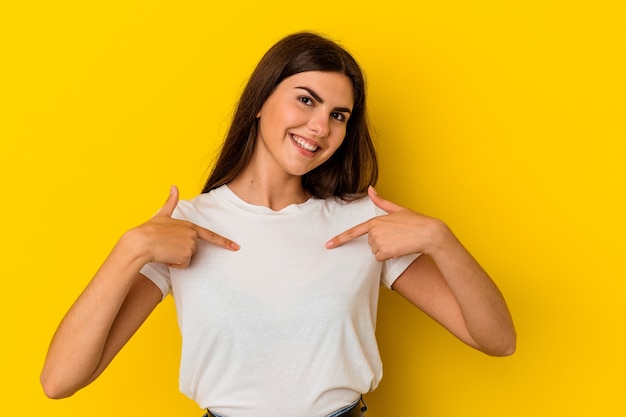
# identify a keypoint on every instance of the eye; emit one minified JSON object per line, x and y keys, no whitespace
{"x":338,"y":116}
{"x":306,"y":100}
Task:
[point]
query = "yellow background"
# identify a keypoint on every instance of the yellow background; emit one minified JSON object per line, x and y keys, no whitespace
{"x":504,"y":118}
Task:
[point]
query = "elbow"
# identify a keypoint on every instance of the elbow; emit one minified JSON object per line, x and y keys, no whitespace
{"x":53,"y":392}
{"x":55,"y":395}
{"x":504,"y":347}
{"x":511,"y":347}
{"x":53,"y":388}
{"x":502,"y":351}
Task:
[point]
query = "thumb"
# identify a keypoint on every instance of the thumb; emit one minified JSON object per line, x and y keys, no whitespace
{"x":170,"y":204}
{"x":380,"y":202}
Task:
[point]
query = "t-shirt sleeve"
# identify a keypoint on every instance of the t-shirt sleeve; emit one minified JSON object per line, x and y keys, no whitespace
{"x":393,"y":268}
{"x":159,"y":274}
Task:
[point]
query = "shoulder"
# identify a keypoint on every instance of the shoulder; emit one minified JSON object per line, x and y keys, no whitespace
{"x":352,"y":204}
{"x":190,"y":208}
{"x":358,"y":210}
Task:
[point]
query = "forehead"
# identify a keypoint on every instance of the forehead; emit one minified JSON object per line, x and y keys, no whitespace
{"x":333,"y":87}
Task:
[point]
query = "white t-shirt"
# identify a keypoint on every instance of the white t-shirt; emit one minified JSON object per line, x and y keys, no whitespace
{"x":282,"y":327}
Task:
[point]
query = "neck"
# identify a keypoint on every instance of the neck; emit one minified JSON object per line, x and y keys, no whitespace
{"x":265,"y":190}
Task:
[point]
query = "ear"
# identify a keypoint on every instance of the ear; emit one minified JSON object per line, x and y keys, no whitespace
{"x":260,"y":112}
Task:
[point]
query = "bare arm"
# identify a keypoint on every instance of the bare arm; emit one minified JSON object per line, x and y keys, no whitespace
{"x":118,"y":300}
{"x":465,"y":301}
{"x":91,"y":334}
{"x":445,"y":282}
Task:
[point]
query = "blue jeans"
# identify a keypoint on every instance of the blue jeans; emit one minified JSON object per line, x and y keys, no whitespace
{"x":347,"y":411}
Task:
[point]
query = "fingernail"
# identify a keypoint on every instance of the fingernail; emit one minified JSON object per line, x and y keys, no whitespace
{"x":235,"y":246}
{"x":330,"y":244}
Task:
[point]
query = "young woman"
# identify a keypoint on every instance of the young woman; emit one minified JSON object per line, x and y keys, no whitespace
{"x":281,"y":322}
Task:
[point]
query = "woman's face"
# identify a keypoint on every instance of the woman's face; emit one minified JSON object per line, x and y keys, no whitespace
{"x":303,"y":122}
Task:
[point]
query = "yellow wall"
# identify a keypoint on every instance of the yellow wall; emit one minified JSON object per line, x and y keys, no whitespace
{"x":505,"y":118}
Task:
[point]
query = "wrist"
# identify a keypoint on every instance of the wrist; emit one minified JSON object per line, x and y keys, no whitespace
{"x":132,"y":245}
{"x":120,"y":269}
{"x":442,"y":239}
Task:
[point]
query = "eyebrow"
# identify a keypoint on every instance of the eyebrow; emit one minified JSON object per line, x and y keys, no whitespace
{"x":319,"y":99}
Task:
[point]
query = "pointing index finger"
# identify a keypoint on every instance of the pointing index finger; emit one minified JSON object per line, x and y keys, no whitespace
{"x":214,"y":238}
{"x":350,"y":234}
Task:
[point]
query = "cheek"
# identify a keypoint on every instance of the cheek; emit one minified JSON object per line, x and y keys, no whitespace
{"x":281,"y":117}
{"x":338,"y":137}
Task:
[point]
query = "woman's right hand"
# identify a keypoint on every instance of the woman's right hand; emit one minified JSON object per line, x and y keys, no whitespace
{"x":170,"y":241}
{"x":118,"y":299}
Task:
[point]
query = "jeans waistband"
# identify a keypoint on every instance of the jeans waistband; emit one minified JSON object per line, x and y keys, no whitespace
{"x":352,"y":410}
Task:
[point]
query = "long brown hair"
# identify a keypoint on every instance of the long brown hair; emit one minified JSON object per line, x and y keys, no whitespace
{"x":349,"y":171}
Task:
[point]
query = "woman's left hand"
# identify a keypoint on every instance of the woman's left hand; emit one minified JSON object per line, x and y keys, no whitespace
{"x":400,"y":232}
{"x":447,"y":284}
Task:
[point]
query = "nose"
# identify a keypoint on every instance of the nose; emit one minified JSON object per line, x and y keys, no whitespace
{"x":319,"y":124}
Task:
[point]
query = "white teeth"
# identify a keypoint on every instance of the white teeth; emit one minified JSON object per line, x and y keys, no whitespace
{"x":303,"y":144}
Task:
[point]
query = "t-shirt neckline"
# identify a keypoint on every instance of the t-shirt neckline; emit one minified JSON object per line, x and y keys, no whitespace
{"x":226,"y":194}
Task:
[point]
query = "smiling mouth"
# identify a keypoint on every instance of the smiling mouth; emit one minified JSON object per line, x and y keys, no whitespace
{"x":304,"y":144}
